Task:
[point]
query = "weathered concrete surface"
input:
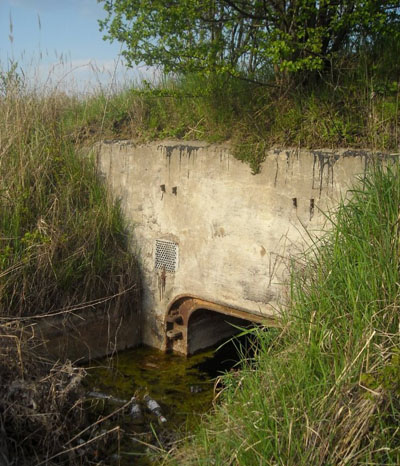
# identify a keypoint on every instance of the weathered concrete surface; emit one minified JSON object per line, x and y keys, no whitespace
{"x":86,"y":333}
{"x":234,"y":230}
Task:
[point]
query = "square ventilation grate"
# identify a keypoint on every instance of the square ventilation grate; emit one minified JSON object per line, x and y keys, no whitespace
{"x":166,"y":255}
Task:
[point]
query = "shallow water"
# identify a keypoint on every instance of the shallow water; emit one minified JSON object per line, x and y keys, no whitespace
{"x":183,"y":387}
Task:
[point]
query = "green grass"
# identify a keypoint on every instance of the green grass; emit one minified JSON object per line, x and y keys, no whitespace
{"x":356,"y":106}
{"x":359,"y":112}
{"x":63,"y":240}
{"x":325,"y":389}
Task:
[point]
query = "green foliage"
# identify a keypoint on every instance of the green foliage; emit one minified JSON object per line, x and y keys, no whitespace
{"x":248,"y":39}
{"x":324,"y":390}
{"x":388,"y":376}
{"x":253,"y":153}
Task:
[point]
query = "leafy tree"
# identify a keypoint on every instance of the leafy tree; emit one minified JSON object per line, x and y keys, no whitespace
{"x":245,"y":37}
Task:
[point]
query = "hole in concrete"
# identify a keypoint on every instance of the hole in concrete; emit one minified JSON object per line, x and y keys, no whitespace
{"x":311,"y":208}
{"x":208,"y":328}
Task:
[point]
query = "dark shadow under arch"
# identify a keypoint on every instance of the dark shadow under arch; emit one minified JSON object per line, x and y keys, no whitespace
{"x":193,"y":323}
{"x":207,"y":328}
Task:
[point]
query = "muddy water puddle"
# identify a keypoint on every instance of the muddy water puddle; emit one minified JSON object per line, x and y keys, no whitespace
{"x":182,"y":387}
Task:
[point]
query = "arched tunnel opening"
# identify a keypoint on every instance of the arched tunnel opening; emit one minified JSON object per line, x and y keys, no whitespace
{"x":208,"y":328}
{"x":193,"y":324}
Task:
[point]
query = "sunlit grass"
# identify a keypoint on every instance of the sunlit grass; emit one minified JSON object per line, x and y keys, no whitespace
{"x":62,"y":239}
{"x":252,"y":118}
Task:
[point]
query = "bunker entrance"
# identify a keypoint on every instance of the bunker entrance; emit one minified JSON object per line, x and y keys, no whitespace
{"x":207,"y":328}
{"x":193,"y":324}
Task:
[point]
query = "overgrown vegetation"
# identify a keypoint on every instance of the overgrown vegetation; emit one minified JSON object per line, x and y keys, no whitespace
{"x":62,"y":240}
{"x":41,"y":405}
{"x":358,"y":110}
{"x":63,"y":243}
{"x":261,"y":74}
{"x":325,"y":389}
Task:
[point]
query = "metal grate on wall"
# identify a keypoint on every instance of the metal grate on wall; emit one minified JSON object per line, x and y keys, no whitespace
{"x":166,"y":255}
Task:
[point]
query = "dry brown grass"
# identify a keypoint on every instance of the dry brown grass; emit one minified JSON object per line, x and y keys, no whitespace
{"x":40,"y":401}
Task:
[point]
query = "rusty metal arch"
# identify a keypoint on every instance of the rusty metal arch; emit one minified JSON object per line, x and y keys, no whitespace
{"x":183,"y":306}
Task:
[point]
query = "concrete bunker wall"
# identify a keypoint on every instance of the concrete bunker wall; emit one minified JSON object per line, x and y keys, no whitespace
{"x":205,"y":226}
{"x":81,"y":333}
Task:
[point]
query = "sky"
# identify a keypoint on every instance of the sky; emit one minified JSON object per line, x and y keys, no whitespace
{"x":59,"y":42}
